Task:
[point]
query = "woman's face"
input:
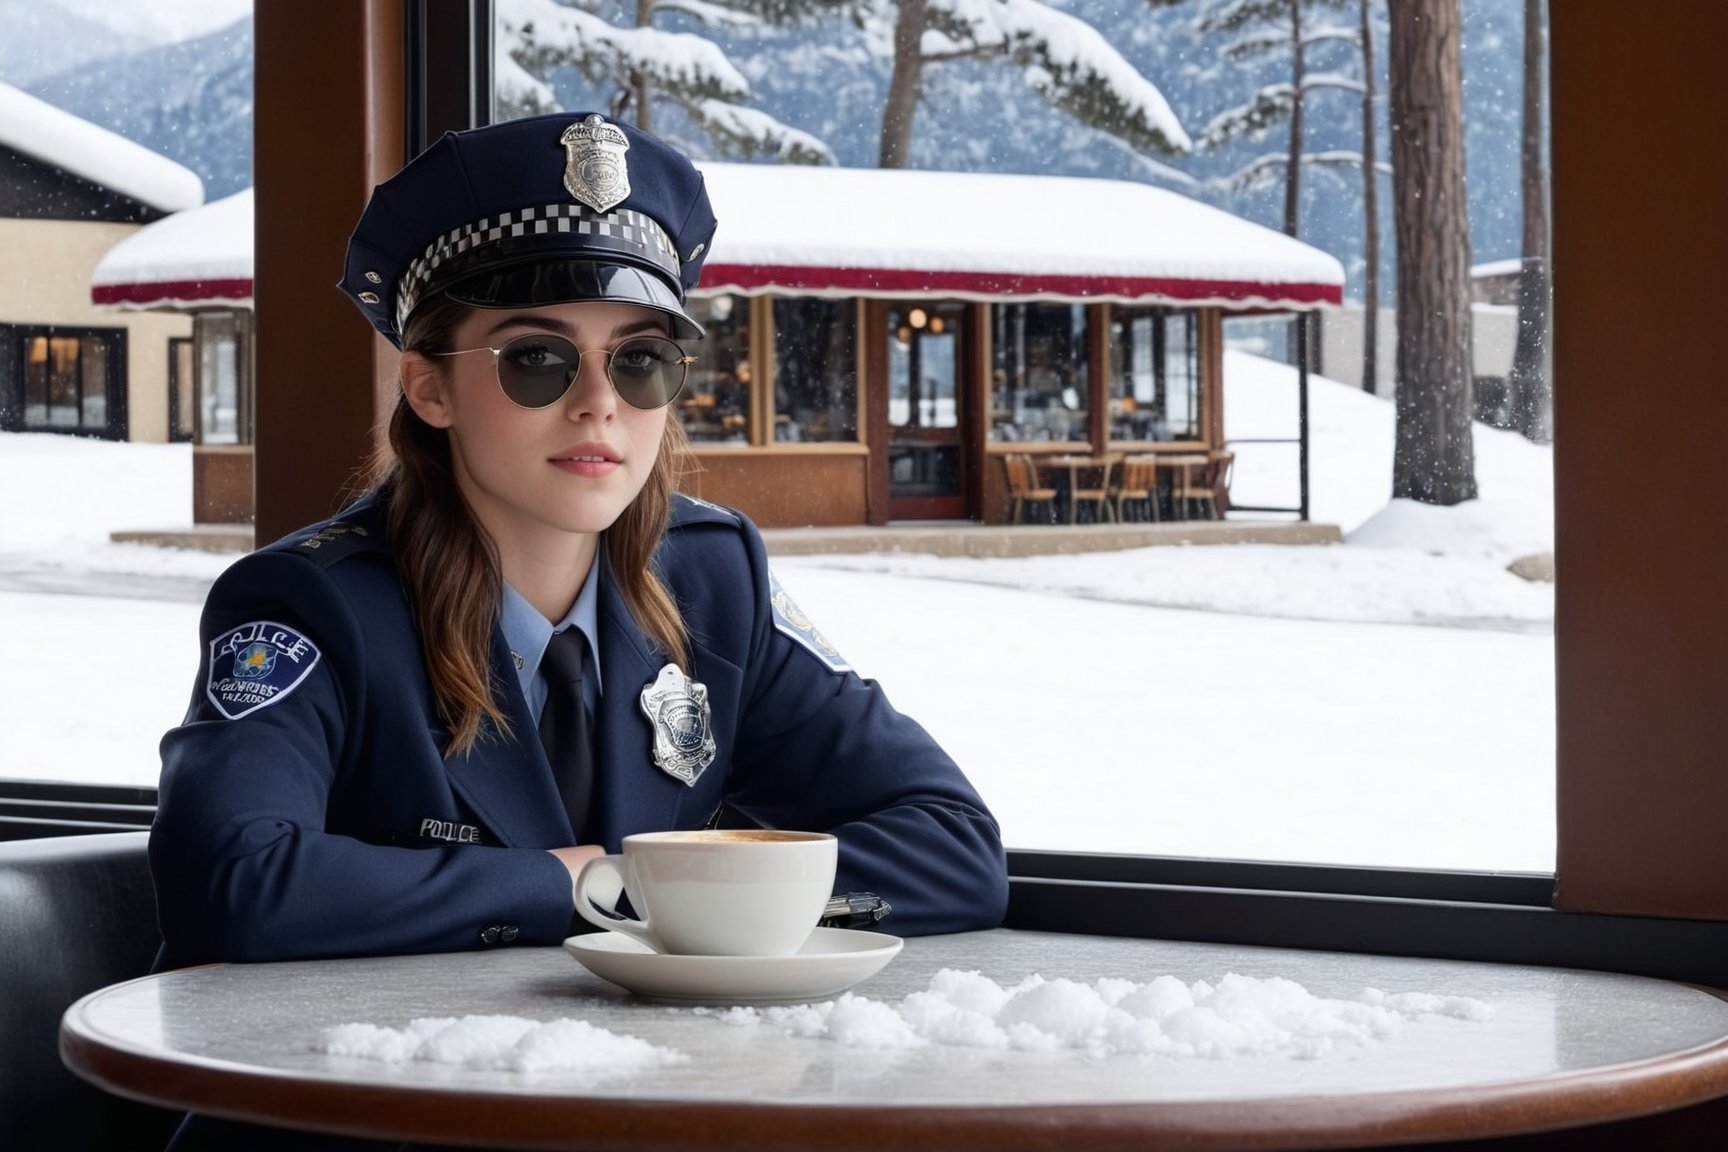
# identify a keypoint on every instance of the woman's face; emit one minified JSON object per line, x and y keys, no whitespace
{"x":532,"y":474}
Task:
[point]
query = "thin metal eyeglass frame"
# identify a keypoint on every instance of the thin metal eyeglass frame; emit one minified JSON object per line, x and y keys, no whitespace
{"x":685,"y":359}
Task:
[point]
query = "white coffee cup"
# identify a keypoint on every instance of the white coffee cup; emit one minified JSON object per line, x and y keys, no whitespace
{"x":717,"y":892}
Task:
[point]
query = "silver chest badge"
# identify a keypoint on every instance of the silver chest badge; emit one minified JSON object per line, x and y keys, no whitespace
{"x":594,"y":170}
{"x":677,"y":710}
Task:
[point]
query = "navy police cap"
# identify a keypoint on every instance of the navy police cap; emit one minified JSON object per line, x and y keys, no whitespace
{"x":543,"y":210}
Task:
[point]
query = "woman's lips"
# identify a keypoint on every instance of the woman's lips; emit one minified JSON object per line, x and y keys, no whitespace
{"x":592,"y":460}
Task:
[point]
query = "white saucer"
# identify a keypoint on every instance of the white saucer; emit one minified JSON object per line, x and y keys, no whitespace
{"x":831,"y":961}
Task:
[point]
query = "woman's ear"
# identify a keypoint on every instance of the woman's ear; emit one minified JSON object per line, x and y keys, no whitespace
{"x":426,"y":389}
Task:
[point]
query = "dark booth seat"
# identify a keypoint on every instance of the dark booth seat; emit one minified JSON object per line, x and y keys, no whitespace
{"x":77,"y":913}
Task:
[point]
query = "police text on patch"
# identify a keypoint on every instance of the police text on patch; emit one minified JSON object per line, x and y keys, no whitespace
{"x":256,"y":665}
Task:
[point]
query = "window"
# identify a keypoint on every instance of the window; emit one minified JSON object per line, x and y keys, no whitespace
{"x":1626,"y":608}
{"x":1154,"y":375}
{"x":715,"y":406}
{"x":224,"y":340}
{"x":1038,"y":372}
{"x":815,"y":370}
{"x":70,"y":380}
{"x":182,"y":390}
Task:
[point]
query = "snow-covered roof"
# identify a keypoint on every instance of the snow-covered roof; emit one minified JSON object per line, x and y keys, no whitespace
{"x":198,"y":258}
{"x":62,"y":140}
{"x":838,"y":232}
{"x":875,"y":232}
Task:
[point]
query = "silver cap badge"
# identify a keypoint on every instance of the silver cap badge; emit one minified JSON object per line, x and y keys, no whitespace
{"x":594,"y":170}
{"x":677,"y":710}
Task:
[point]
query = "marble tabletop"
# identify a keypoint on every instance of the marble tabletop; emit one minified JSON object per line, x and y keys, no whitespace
{"x":1563,"y":1047}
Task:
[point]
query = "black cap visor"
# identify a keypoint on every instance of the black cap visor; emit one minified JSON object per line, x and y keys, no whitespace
{"x":542,"y":282}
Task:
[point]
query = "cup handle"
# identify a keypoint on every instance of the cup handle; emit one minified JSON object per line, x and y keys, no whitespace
{"x":597,"y":889}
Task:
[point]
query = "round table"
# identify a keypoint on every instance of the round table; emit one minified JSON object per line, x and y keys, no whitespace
{"x":1564,"y":1048}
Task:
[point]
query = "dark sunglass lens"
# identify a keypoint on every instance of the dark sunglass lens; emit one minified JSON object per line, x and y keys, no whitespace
{"x":536,"y":370}
{"x":647,"y":371}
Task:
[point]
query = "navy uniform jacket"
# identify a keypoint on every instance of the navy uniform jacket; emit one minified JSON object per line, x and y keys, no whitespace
{"x":306,"y":808}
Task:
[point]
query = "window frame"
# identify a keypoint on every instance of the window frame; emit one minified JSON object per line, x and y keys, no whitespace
{"x":114,"y":386}
{"x":1641,"y":797}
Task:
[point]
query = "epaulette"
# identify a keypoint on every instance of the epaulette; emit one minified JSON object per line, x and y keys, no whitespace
{"x":687,"y":510}
{"x":358,"y":529}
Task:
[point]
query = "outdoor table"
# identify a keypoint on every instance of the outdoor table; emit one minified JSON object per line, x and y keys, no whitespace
{"x":1564,"y":1048}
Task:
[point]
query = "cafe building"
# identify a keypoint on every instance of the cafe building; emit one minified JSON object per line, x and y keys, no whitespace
{"x":880,"y":340}
{"x":198,"y":263}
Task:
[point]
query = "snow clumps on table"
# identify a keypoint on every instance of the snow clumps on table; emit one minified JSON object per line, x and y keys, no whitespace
{"x":1239,"y":1016}
{"x":502,"y":1043}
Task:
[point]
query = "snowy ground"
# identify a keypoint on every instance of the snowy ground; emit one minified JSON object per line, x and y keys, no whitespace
{"x":1385,"y":702}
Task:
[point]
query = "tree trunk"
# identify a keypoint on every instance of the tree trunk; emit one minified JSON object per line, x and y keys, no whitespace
{"x":639,"y":89}
{"x":1370,"y":212}
{"x":903,"y":84}
{"x":1433,"y":455}
{"x":1293,"y":170}
{"x":1532,"y":397}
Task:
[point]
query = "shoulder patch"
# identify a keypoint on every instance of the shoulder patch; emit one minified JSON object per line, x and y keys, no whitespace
{"x":257,"y":665}
{"x":790,"y":619}
{"x":687,"y":509}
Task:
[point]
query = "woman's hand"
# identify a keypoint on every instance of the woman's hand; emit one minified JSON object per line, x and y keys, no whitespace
{"x":573,"y":858}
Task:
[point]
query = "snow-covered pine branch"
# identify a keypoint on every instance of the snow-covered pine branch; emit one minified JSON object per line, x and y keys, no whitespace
{"x":1335,"y":157}
{"x":1070,"y":64}
{"x":1154,"y":170}
{"x":1271,"y":105}
{"x":1225,"y":15}
{"x":519,"y":91}
{"x":1332,"y":32}
{"x":1262,"y":172}
{"x":713,"y":15}
{"x":1254,"y":44}
{"x":1332,"y":80}
{"x":542,"y":35}
{"x":749,"y":133}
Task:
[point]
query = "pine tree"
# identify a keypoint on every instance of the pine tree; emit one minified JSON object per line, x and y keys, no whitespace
{"x":1528,"y":384}
{"x":1292,"y":30}
{"x":1433,"y":459}
{"x":1063,"y":59}
{"x":645,"y":64}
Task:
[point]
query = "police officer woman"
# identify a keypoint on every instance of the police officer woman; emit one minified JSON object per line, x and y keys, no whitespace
{"x":364,"y":767}
{"x":414,"y":723}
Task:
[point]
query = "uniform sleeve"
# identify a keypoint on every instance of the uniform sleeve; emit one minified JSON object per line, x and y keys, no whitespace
{"x":822,"y":748}
{"x":244,"y":863}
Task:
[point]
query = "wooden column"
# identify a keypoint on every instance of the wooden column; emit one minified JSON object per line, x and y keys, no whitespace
{"x":328,"y":99}
{"x":1641,"y":456}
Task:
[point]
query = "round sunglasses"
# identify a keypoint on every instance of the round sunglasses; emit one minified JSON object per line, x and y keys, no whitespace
{"x":536,"y":369}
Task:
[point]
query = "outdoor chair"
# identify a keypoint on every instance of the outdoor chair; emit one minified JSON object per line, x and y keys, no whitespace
{"x":1024,"y":489}
{"x":1136,"y":490}
{"x":1201,"y":484}
{"x":1091,"y":487}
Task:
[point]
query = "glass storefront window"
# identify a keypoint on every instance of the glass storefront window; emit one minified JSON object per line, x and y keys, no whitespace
{"x":1154,"y":375}
{"x":68,"y":379}
{"x":1038,"y":378}
{"x":224,"y":378}
{"x":715,"y":405}
{"x":815,"y":370}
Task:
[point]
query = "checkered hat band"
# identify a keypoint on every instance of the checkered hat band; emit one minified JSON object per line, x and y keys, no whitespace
{"x":622,"y":231}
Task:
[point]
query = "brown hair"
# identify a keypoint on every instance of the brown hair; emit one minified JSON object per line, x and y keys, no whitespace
{"x":449,"y":565}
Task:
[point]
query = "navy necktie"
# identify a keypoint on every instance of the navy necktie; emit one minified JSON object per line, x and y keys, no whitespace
{"x":564,"y":725}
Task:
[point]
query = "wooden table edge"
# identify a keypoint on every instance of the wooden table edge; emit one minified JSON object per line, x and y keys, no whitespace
{"x":440,"y":1113}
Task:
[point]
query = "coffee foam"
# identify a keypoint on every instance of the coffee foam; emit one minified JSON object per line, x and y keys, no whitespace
{"x":737,"y":836}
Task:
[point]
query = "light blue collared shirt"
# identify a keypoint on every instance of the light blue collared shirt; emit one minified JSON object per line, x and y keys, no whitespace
{"x":527,"y":632}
